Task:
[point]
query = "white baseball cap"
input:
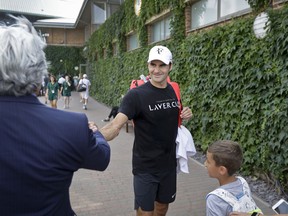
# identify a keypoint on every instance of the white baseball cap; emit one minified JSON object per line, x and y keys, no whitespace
{"x":160,"y":53}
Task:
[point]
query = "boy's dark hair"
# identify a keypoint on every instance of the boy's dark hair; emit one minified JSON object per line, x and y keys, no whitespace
{"x":228,"y":154}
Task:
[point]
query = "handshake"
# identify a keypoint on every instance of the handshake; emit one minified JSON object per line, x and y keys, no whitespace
{"x":93,"y":126}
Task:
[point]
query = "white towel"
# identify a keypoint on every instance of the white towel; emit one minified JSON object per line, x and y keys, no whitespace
{"x":185,"y":147}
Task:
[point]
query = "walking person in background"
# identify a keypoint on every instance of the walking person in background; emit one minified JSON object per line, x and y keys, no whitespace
{"x":53,"y":91}
{"x":78,"y":84}
{"x":66,"y":91}
{"x":155,"y":109}
{"x":75,"y":82}
{"x":43,"y":87}
{"x":46,"y":80}
{"x":61,"y":80}
{"x":85,"y":94}
{"x":41,"y":148}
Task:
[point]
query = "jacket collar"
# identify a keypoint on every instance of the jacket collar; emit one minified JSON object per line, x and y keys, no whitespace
{"x":25,"y":99}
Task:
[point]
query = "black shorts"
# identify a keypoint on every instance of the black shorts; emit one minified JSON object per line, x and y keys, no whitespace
{"x":148,"y":188}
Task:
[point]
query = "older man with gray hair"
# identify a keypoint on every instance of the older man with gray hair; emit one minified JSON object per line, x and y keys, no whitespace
{"x":38,"y":155}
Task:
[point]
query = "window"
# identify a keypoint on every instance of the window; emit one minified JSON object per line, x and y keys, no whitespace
{"x":161,"y":30}
{"x":115,"y":49}
{"x":204,"y":12}
{"x":132,"y":42}
{"x":104,"y":51}
{"x":95,"y":56}
{"x":113,"y":8}
{"x":207,"y":12}
{"x":98,"y":13}
{"x":232,"y":6}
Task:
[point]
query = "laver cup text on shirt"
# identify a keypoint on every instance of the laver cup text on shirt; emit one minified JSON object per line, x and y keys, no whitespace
{"x":167,"y":104}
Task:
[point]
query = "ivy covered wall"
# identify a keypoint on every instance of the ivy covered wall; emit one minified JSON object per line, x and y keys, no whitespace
{"x":64,"y":59}
{"x":235,"y":83}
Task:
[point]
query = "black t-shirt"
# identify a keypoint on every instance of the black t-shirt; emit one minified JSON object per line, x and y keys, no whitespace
{"x":155,"y":115}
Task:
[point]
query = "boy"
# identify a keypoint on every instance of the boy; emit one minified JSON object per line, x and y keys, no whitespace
{"x":224,"y":159}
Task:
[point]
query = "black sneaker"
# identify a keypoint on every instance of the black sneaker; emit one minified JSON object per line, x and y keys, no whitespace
{"x":106,"y":120}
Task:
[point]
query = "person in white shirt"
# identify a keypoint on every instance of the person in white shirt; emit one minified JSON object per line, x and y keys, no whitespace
{"x":85,"y":94}
{"x":61,"y":80}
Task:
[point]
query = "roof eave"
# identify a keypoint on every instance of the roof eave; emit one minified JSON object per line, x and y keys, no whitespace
{"x":26,"y":13}
{"x":80,"y":13}
{"x":53,"y":25}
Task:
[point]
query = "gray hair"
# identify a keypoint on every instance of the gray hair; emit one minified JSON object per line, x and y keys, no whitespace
{"x":22,"y":59}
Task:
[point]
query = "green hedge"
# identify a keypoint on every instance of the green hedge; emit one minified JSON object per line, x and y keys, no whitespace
{"x":235,"y":83}
{"x":237,"y":87}
{"x":70,"y":56}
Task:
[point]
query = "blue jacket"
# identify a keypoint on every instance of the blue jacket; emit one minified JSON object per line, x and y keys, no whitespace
{"x":41,"y":148}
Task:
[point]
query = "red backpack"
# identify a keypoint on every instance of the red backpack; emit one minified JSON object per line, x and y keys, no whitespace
{"x":178,"y":95}
{"x":136,"y":83}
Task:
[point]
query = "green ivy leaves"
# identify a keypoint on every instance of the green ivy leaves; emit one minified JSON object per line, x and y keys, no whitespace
{"x":71,"y":57}
{"x":235,"y":83}
{"x":259,"y":5}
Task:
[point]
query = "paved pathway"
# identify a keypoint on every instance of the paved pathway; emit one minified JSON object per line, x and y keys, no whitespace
{"x":110,"y":193}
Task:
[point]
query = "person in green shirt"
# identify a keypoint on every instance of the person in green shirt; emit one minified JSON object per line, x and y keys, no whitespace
{"x":66,"y":91}
{"x":52,"y":91}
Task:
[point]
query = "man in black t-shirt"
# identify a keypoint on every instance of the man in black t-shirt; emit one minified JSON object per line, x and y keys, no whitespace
{"x":154,"y":108}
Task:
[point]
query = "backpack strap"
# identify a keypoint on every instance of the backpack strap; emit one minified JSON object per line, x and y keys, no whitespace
{"x":233,"y":201}
{"x":246,"y":188}
{"x":178,"y":95}
{"x":133,"y":84}
{"x":226,"y":196}
{"x":136,"y":83}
